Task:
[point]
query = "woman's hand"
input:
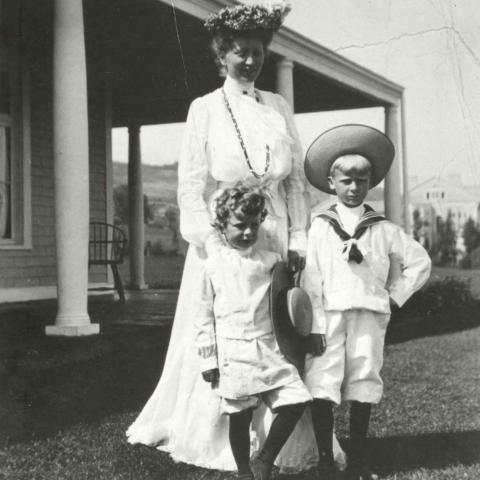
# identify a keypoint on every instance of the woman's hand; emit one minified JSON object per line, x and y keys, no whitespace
{"x":211,"y":376}
{"x":296,"y":262}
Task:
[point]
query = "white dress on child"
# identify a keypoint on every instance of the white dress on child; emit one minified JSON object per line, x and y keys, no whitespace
{"x":183,"y":415}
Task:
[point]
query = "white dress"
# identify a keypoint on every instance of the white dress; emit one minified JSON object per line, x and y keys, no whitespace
{"x":183,"y":416}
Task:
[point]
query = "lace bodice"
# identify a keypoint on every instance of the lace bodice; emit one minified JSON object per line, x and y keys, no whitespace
{"x":211,"y":147}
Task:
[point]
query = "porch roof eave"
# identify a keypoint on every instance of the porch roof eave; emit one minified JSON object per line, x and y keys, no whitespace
{"x":312,"y":56}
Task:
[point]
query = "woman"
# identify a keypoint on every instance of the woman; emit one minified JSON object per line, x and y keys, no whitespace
{"x":234,"y":134}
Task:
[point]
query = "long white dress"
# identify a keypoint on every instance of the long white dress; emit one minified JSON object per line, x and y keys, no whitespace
{"x":183,"y":416}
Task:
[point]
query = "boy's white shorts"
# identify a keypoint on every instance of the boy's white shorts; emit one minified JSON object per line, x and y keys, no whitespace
{"x":289,"y":394}
{"x":350,"y":367}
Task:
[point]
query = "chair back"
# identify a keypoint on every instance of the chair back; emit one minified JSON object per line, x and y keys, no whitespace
{"x":107,"y":244}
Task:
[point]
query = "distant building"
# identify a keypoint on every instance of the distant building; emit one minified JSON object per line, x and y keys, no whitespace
{"x":436,"y":197}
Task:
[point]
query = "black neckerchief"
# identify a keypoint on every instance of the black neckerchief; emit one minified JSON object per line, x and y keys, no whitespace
{"x":369,"y":217}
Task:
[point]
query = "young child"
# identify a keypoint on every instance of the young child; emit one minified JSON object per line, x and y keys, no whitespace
{"x":235,"y":341}
{"x":350,"y":278}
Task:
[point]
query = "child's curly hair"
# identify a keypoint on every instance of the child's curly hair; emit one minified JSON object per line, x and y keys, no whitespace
{"x":247,"y":200}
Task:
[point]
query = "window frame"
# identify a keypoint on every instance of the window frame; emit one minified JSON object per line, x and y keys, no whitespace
{"x":16,"y":66}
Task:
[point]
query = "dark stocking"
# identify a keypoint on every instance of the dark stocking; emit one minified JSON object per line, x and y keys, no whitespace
{"x":281,"y":428}
{"x":322,"y":417}
{"x":359,"y":421}
{"x":239,"y":435}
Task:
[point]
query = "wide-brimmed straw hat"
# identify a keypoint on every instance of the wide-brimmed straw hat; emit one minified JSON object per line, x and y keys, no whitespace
{"x":362,"y":140}
{"x":292,"y":315}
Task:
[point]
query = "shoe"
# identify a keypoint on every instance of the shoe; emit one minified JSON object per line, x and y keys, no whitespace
{"x":328,"y":471}
{"x":245,"y":476}
{"x":360,"y":473}
{"x":261,"y":470}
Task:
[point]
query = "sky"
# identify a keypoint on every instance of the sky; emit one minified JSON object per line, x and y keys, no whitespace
{"x":430,"y":47}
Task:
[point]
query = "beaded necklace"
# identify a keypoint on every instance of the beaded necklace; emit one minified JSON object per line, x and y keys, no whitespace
{"x":242,"y":144}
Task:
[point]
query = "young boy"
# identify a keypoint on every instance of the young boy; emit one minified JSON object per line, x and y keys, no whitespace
{"x":350,"y":278}
{"x":235,"y":341}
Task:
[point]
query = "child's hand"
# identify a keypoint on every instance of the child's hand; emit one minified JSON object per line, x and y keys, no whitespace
{"x":317,"y":344}
{"x":211,"y":376}
{"x":296,"y":262}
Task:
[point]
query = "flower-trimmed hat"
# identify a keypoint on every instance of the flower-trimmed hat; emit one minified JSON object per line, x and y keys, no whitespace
{"x":248,"y":18}
{"x":362,"y":140}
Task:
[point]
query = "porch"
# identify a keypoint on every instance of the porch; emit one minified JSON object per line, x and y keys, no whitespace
{"x":22,"y":324}
{"x":82,"y":67}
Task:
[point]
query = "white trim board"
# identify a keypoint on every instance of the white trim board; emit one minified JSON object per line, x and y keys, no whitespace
{"x":28,"y":294}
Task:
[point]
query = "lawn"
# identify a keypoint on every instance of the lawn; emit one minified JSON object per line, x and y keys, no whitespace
{"x":65,"y":406}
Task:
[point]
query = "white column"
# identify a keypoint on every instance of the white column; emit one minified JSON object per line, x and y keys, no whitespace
{"x":135,"y":209}
{"x":392,"y":195}
{"x":70,"y":152}
{"x":284,"y":80}
{"x":406,"y":187}
{"x":285,"y":87}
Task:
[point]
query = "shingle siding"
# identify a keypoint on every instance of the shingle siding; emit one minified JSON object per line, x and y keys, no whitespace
{"x":36,"y":267}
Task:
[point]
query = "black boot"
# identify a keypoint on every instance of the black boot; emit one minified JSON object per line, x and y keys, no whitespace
{"x":358,"y":466}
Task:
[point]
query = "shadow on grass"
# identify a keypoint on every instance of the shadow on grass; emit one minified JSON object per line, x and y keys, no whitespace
{"x":430,"y":450}
{"x":407,"y":325}
{"x":66,"y":381}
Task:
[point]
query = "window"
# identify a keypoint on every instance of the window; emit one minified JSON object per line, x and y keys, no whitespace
{"x":14,"y":134}
{"x":5,"y":157}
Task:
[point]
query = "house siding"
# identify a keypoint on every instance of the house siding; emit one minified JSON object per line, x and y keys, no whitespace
{"x":36,"y":267}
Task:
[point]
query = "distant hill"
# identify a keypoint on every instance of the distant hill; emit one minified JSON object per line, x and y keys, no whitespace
{"x":159,"y":181}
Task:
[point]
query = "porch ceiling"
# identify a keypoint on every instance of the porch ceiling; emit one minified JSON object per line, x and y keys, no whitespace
{"x":154,"y":80}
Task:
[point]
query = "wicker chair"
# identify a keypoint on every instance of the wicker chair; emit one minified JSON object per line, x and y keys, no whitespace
{"x":107,"y":246}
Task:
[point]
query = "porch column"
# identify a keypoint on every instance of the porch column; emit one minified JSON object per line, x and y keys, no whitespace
{"x":407,"y":220}
{"x":284,"y":80}
{"x":70,"y":152}
{"x":135,"y":209}
{"x":392,"y":195}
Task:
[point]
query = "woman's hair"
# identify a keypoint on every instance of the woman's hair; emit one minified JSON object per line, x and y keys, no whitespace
{"x":346,"y":163}
{"x":222,"y":42}
{"x":237,"y":199}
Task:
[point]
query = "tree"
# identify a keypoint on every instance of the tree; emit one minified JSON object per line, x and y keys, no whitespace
{"x":471,"y":235}
{"x":120,"y":201}
{"x":418,"y":227}
{"x":445,"y":251}
{"x":172,"y":218}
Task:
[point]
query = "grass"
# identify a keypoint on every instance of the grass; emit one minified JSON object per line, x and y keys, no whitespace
{"x":65,"y":405}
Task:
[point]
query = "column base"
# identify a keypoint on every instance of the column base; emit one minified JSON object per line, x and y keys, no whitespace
{"x":142,"y":286}
{"x":72,"y":330}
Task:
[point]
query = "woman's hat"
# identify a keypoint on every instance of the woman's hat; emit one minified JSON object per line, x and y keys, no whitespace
{"x":292,"y":315}
{"x":248,"y":18}
{"x":362,"y":140}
